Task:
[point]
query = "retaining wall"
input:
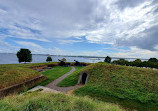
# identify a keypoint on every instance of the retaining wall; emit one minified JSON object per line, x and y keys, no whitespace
{"x":14,"y":89}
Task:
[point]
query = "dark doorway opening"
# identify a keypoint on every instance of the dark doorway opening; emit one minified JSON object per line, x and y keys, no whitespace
{"x":84,"y":78}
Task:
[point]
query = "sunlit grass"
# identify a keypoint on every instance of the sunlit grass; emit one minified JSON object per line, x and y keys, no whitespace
{"x":53,"y":102}
{"x":134,"y":88}
{"x":70,"y":80}
{"x":11,"y":74}
{"x":54,"y":73}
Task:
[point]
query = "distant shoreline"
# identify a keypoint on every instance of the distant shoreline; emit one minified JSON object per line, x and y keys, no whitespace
{"x":81,"y":56}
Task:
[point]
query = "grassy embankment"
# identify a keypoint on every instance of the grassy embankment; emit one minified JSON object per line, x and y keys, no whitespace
{"x":11,"y":74}
{"x":36,"y":101}
{"x":134,"y":88}
{"x":71,"y":79}
{"x":54,"y":73}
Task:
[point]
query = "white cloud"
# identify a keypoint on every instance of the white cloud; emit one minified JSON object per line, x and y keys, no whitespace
{"x":101,"y":22}
{"x":2,"y":12}
{"x":28,"y":44}
{"x":37,"y":49}
{"x":132,"y":52}
{"x":135,"y":52}
{"x":69,"y":41}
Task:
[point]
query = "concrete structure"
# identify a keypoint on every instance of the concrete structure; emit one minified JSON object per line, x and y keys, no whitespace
{"x":83,"y":78}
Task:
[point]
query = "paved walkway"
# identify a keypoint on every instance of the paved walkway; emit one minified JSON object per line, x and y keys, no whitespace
{"x":44,"y":89}
{"x":53,"y":85}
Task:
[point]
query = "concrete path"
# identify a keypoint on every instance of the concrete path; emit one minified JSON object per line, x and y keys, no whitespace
{"x":44,"y":89}
{"x":53,"y":84}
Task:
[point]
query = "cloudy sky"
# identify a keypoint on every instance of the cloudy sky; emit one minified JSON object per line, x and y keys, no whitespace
{"x":120,"y":28}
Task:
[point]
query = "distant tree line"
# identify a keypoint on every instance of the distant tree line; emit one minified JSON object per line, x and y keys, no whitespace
{"x":151,"y":63}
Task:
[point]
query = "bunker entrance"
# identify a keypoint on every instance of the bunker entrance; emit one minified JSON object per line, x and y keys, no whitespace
{"x":84,"y":78}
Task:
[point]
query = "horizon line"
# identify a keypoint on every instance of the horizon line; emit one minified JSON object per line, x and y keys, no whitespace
{"x":83,"y":56}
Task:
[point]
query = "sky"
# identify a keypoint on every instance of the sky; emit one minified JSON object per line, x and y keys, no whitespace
{"x":116,"y":28}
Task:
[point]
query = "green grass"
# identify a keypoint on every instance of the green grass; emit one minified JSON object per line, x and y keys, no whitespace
{"x":134,"y":88}
{"x":54,"y":73}
{"x":11,"y":74}
{"x":36,"y":101}
{"x":70,"y":80}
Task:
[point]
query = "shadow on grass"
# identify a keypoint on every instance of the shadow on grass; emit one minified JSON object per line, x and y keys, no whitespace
{"x":127,"y":104}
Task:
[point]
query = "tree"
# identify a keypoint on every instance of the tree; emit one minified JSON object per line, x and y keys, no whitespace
{"x":49,"y":59}
{"x":153,"y":60}
{"x":121,"y":62}
{"x":63,"y":59}
{"x":107,"y":59}
{"x":24,"y":55}
{"x":137,"y":60}
{"x":137,"y":63}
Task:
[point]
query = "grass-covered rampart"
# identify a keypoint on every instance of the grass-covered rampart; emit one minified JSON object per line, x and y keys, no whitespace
{"x":53,"y":102}
{"x":134,"y":88}
{"x":11,"y":74}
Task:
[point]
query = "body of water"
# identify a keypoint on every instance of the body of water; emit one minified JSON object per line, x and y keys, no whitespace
{"x":12,"y":59}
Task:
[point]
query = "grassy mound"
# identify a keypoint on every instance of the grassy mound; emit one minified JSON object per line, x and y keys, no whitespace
{"x":11,"y":74}
{"x":53,"y":102}
{"x":129,"y":86}
{"x":54,"y":73}
{"x":70,"y":80}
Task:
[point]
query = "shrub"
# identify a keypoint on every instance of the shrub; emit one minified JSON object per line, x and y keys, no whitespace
{"x":153,"y":60}
{"x":63,"y":59}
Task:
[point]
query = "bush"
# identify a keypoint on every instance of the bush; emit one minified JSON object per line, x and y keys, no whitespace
{"x":63,"y":59}
{"x":152,"y":60}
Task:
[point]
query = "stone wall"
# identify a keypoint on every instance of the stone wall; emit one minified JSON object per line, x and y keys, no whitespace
{"x":14,"y":89}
